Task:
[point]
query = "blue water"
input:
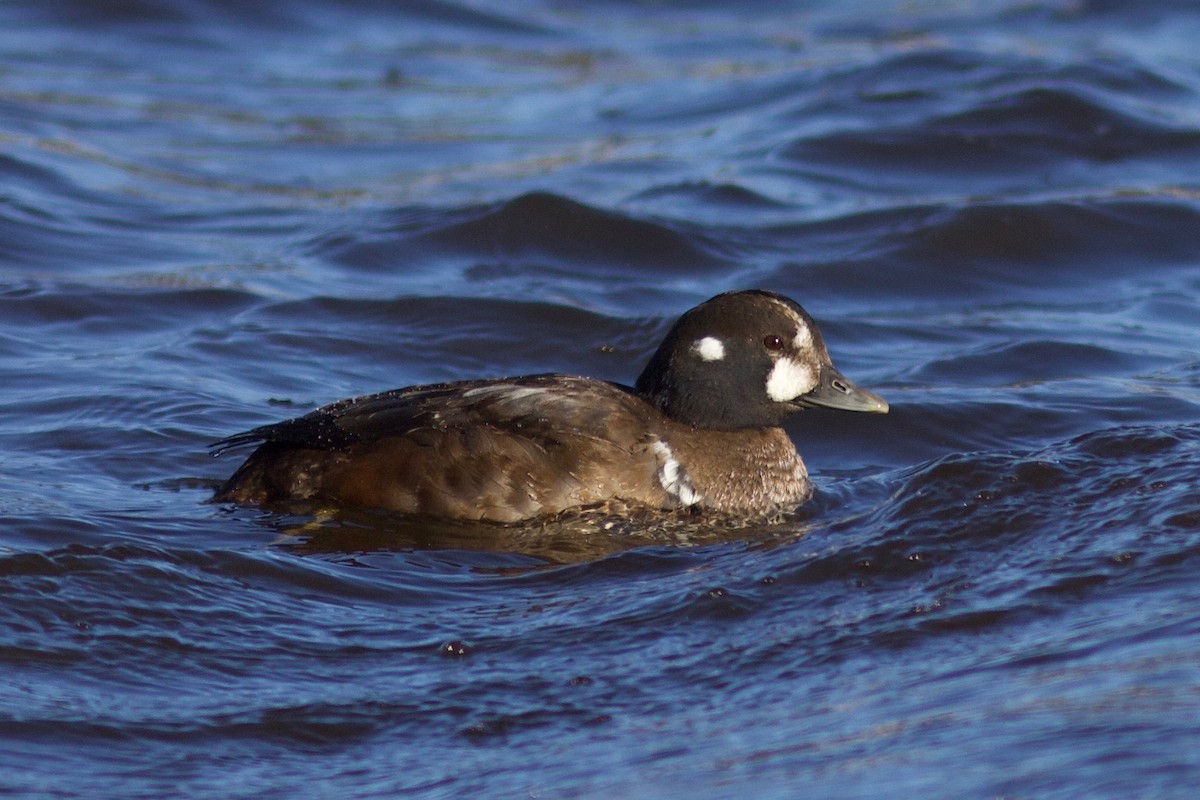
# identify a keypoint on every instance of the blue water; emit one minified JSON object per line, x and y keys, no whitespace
{"x":215,"y":215}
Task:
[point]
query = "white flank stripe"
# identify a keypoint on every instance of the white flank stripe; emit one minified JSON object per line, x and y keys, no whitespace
{"x":673,"y":477}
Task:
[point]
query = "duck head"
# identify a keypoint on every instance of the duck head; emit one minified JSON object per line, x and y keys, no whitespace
{"x":747,"y":360}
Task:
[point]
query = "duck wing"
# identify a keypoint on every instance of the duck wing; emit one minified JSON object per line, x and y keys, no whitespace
{"x":500,"y":450}
{"x":533,"y":404}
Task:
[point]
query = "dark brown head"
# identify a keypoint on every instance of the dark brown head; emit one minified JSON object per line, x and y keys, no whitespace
{"x":747,"y":360}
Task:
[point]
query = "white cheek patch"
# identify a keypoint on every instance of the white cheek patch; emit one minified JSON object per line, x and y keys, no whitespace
{"x":788,"y":380}
{"x":709,"y":348}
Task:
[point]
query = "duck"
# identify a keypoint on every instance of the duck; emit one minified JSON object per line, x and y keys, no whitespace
{"x":699,"y":432}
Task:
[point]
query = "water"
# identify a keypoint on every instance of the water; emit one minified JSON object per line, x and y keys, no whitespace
{"x":214,"y":216}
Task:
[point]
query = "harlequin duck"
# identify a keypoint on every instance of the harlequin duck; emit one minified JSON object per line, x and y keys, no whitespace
{"x":699,"y":430}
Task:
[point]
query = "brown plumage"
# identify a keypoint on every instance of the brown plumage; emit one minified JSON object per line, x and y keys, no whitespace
{"x":699,"y":430}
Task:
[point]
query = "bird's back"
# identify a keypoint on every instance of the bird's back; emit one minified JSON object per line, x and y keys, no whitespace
{"x":497,"y":450}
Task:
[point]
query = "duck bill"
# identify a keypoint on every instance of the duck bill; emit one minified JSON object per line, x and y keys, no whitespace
{"x":837,"y":391}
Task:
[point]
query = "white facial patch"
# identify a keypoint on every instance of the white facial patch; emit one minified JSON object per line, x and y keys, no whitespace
{"x":709,"y":348}
{"x":803,"y":340}
{"x":673,"y":477}
{"x":788,"y":380}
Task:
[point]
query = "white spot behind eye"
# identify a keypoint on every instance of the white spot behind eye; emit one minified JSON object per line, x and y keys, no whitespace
{"x":789,"y":379}
{"x":710,"y":348}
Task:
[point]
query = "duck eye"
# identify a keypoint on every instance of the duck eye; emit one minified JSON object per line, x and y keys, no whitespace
{"x":774,"y":343}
